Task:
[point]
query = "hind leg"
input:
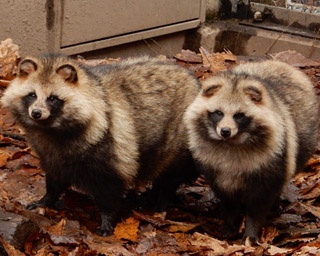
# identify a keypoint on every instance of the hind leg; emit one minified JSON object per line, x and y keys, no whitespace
{"x":108,"y":194}
{"x":181,"y":171}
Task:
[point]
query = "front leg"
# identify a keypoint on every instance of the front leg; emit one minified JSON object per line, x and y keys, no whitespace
{"x":108,"y":193}
{"x":54,"y":190}
{"x":232,"y":218}
{"x":108,"y":221}
{"x":256,"y":217}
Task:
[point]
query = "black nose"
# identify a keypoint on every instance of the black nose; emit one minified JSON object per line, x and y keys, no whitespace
{"x":225,"y":132}
{"x":36,"y":113}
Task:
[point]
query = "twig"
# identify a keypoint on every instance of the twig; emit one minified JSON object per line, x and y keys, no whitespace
{"x":14,"y":136}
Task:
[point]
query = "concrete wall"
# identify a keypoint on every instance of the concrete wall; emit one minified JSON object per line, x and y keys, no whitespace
{"x":75,"y":26}
{"x":280,"y":30}
{"x":26,"y":23}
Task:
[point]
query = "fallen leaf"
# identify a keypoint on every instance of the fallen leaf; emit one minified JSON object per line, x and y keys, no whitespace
{"x":308,"y":250}
{"x":312,"y":209}
{"x":3,"y":157}
{"x":155,"y":220}
{"x":274,"y":250}
{"x":181,"y":226}
{"x":127,"y":230}
{"x":9,"y":55}
{"x":217,"y":62}
{"x":188,"y":56}
{"x":10,"y":249}
{"x":269,"y":234}
{"x":287,"y":218}
{"x":313,"y":194}
{"x":294,"y":58}
{"x":58,"y":228}
{"x":61,"y":240}
{"x":158,"y":243}
{"x":216,"y":246}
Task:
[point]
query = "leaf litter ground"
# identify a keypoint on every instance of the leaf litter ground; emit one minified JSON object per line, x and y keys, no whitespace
{"x":191,"y":226}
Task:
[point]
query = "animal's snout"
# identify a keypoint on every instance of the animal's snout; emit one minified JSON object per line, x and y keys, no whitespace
{"x":225,"y":132}
{"x":36,"y":113}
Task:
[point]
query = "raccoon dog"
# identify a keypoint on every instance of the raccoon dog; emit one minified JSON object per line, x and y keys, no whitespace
{"x":101,"y":129}
{"x":251,"y":128}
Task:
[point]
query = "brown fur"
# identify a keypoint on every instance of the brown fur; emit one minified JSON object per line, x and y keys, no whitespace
{"x":251,"y":128}
{"x":118,"y":124}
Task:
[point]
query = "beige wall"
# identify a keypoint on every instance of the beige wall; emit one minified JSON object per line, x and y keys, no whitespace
{"x":76,"y":26}
{"x":25,"y":22}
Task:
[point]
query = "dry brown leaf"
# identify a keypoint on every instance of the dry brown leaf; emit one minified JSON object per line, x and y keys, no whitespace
{"x":3,"y":157}
{"x":313,"y":194}
{"x":181,"y":226}
{"x":58,"y":228}
{"x":216,"y":62}
{"x":308,"y":250}
{"x":60,"y":240}
{"x":24,"y":160}
{"x":287,"y":218}
{"x":156,"y":220}
{"x":274,"y":250}
{"x":312,"y":209}
{"x":10,"y":249}
{"x":127,"y":230}
{"x":216,"y":246}
{"x":294,"y":58}
{"x":9,"y":55}
{"x":106,"y":246}
{"x":269,"y":234}
{"x":4,"y":82}
{"x":188,"y":56}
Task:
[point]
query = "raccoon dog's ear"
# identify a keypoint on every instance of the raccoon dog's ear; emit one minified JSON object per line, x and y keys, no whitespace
{"x":254,"y":93}
{"x":68,"y":73}
{"x":210,"y":90}
{"x":26,"y":67}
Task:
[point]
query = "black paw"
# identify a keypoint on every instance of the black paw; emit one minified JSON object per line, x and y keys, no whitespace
{"x":107,"y":225}
{"x":101,"y":231}
{"x":35,"y":205}
{"x":46,"y":201}
{"x":250,"y":240}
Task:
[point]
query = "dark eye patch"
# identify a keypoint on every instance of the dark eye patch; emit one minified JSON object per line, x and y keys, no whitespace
{"x":215,"y":116}
{"x":29,"y":98}
{"x":242,"y":120}
{"x":54,"y":102}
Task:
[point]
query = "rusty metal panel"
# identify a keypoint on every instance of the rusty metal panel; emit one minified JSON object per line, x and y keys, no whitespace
{"x":88,"y":21}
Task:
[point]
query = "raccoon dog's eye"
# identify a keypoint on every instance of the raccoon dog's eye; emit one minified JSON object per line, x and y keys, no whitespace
{"x":53,"y":98}
{"x":215,"y":116}
{"x":54,"y":101}
{"x":242,"y":120}
{"x":32,"y":95}
{"x":218,"y":112}
{"x":239,"y":116}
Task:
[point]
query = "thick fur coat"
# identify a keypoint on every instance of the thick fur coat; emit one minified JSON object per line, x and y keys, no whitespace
{"x":251,"y":128}
{"x":103,"y":129}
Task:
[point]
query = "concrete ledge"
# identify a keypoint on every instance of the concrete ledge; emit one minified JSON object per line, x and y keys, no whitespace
{"x":257,"y":39}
